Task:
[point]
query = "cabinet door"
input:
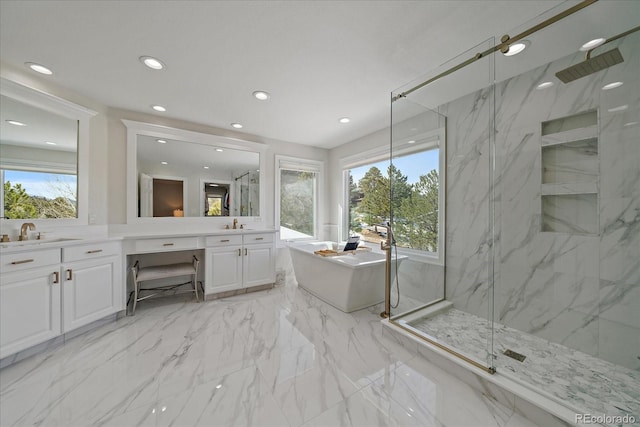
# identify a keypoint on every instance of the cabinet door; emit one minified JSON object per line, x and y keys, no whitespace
{"x":259,"y":265}
{"x":30,"y":308}
{"x":223,"y":269}
{"x":91,"y":290}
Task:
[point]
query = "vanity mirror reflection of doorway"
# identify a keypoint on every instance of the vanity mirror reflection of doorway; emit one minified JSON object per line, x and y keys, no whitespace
{"x":217,"y":199}
{"x":168,"y":196}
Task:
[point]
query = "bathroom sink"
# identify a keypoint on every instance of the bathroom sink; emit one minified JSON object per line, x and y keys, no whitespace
{"x":16,"y":244}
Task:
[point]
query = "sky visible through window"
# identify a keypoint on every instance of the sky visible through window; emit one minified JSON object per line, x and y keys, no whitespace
{"x":40,"y":183}
{"x":412,"y":166}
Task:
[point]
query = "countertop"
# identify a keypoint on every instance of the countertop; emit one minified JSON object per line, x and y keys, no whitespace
{"x":63,"y":241}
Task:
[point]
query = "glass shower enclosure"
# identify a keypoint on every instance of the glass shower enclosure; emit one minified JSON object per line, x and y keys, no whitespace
{"x":535,"y":270}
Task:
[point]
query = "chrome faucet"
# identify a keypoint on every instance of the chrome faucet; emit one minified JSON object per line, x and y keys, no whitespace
{"x":23,"y":230}
{"x":235,"y":223}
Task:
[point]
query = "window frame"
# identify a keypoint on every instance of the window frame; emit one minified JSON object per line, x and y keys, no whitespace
{"x":435,"y":139}
{"x":300,"y":165}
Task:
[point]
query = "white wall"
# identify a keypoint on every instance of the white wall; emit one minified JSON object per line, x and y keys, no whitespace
{"x":379,"y":139}
{"x":107,"y":153}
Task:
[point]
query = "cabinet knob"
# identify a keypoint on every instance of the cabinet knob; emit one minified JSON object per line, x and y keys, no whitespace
{"x":95,"y":251}
{"x":239,"y":252}
{"x":224,"y":240}
{"x":69,"y":274}
{"x":259,"y":238}
{"x":168,"y":244}
{"x":56,"y":277}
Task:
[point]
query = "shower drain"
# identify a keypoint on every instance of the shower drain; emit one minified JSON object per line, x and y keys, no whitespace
{"x":512,"y":354}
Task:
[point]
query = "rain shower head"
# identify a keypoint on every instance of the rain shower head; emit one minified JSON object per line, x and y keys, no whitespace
{"x":590,"y":66}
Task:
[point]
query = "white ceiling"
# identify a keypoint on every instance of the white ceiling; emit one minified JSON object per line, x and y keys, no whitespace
{"x":320,"y":60}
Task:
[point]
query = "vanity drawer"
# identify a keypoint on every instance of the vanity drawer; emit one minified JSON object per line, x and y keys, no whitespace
{"x":89,"y":251}
{"x":223,"y":240}
{"x":165,"y":245}
{"x":258,"y":238}
{"x":30,"y":259}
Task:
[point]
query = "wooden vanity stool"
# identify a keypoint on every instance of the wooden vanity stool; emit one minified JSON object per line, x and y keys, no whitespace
{"x":163,"y":272}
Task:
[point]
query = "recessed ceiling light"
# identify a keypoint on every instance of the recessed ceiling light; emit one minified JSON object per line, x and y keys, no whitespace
{"x":50,"y":143}
{"x":213,"y":185}
{"x":344,"y":120}
{"x":153,"y":63}
{"x":616,"y":109}
{"x":164,"y":163}
{"x":220,"y":150}
{"x":544,"y":85}
{"x":592,"y":44}
{"x":261,"y":95}
{"x":517,"y":47}
{"x":612,"y":85}
{"x":161,"y":141}
{"x":15,"y":122}
{"x":159,"y":108}
{"x":630,"y":124}
{"x":39,"y":68}
{"x":413,"y":141}
{"x":236,"y":125}
{"x":206,"y":167}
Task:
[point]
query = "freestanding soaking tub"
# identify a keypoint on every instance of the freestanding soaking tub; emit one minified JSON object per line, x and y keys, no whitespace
{"x":347,"y":282}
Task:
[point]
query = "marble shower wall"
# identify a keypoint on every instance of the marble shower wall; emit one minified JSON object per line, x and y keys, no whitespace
{"x":579,"y":290}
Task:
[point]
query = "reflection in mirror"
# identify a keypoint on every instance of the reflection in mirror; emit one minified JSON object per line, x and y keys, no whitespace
{"x":196,"y":180}
{"x":216,"y":199}
{"x":38,"y":162}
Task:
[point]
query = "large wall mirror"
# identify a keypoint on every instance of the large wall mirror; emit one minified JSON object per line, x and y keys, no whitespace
{"x":174,"y":173}
{"x":43,"y":158}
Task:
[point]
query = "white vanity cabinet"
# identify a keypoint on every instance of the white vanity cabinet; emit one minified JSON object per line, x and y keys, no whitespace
{"x":49,"y":291}
{"x":259,"y":259}
{"x":223,"y":266}
{"x":239,"y":261}
{"x":91,"y":283}
{"x":29,"y":299}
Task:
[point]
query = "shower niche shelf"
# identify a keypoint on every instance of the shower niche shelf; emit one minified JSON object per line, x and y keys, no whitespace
{"x":570,"y":174}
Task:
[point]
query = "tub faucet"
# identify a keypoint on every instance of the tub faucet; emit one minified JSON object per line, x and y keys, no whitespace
{"x":389,"y":241}
{"x":23,"y":230}
{"x":386,"y":247}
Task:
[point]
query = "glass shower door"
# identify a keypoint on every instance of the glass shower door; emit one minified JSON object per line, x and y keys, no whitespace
{"x":441,"y":141}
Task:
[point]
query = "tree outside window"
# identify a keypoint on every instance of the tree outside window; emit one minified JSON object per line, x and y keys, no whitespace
{"x":413,"y":202}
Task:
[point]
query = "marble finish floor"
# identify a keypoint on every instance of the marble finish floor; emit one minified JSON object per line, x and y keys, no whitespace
{"x":272,"y":358}
{"x":585,"y":382}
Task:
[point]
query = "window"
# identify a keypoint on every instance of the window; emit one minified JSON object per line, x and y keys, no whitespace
{"x":38,"y":195}
{"x":297,"y":197}
{"x":415,"y":181}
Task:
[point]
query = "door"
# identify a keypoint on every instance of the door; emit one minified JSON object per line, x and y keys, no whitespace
{"x":30,"y":307}
{"x":146,"y":195}
{"x":223,"y":269}
{"x":259,"y":265}
{"x":90,"y":290}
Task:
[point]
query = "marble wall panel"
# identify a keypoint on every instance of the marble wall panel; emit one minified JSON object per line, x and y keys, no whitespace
{"x":619,"y":343}
{"x":580,"y":290}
